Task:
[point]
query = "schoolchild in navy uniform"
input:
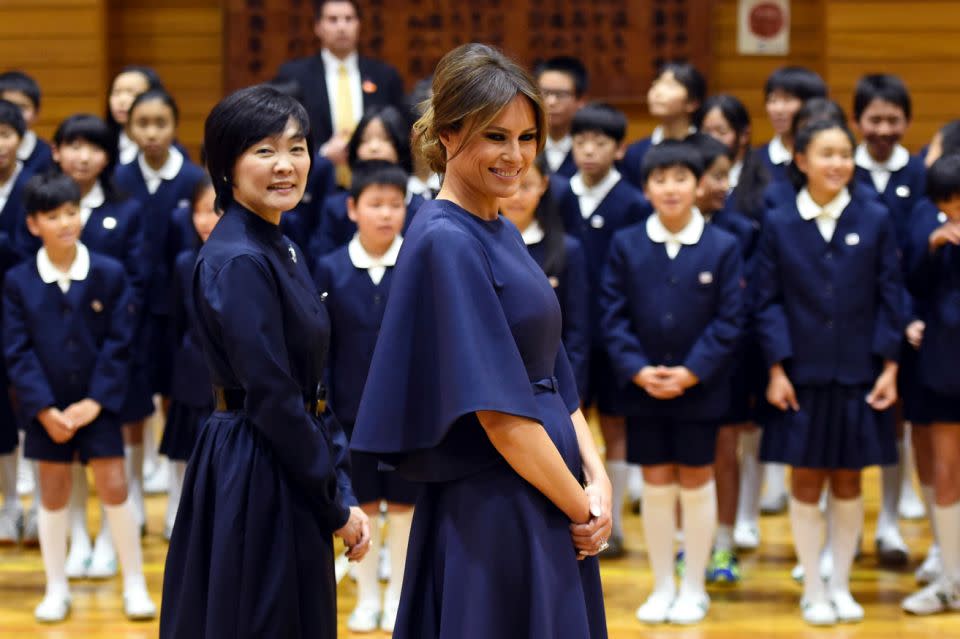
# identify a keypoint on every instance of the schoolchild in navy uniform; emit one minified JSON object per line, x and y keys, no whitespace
{"x":132,"y":80}
{"x":713,"y":203}
{"x":935,"y":282}
{"x":355,"y":283}
{"x":784,"y":93}
{"x":673,"y":314}
{"x":595,"y":204}
{"x":23,"y":90}
{"x":423,"y":181}
{"x":13,"y":174}
{"x":944,"y":142}
{"x":563,"y":82}
{"x":383,"y":133}
{"x":560,"y":255}
{"x":674,"y":98}
{"x":85,"y":150}
{"x":270,"y":455}
{"x":69,"y":300}
{"x":191,"y":401}
{"x":827,"y":300}
{"x":162,"y":179}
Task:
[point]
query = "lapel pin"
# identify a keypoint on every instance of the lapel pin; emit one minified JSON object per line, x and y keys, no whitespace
{"x":903,"y":191}
{"x":597,"y":222}
{"x":293,"y":253}
{"x":942,"y":217}
{"x":109,"y":223}
{"x":96,"y":305}
{"x":554,"y":282}
{"x":705,"y":277}
{"x":369,"y":86}
{"x":852,"y":239}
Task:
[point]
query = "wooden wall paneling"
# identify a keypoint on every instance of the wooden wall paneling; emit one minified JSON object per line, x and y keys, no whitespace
{"x":62,"y":44}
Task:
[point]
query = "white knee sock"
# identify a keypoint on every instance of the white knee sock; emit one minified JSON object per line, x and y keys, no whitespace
{"x":846,"y":517}
{"x":724,"y":538}
{"x":52,"y":530}
{"x":368,"y":583}
{"x":398,"y":535}
{"x":177,"y":470}
{"x":8,"y":480}
{"x":908,"y":465}
{"x":659,"y":527}
{"x":948,"y":524}
{"x":635,"y":482}
{"x":133,"y":459}
{"x":890,"y":484}
{"x":699,"y":524}
{"x":807,"y":524}
{"x":931,"y":502}
{"x":617,"y":470}
{"x":775,"y":477}
{"x":748,"y":503}
{"x":151,"y":451}
{"x":126,"y":539}
{"x":78,"y":507}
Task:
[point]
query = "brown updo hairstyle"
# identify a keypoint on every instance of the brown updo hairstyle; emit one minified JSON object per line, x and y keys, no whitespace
{"x":471,"y":85}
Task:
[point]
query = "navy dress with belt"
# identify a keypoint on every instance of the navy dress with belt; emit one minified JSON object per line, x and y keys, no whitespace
{"x":473,"y":324}
{"x":268,"y":483}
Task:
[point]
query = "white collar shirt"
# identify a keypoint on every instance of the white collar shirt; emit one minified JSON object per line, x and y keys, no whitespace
{"x":825,"y":216}
{"x":76,"y":273}
{"x":7,"y":188}
{"x":376,"y":266}
{"x":92,"y":200}
{"x":169,"y":170}
{"x":688,"y":235}
{"x":331,"y":71}
{"x":533,"y":234}
{"x":27,"y":145}
{"x":556,"y":151}
{"x":590,"y":197}
{"x":880,"y":171}
{"x":778,"y":152}
{"x":128,"y":148}
{"x":425,"y":189}
{"x":657,"y":136}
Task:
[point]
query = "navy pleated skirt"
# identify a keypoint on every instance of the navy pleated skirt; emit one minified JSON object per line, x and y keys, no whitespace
{"x":834,"y":429}
{"x":182,"y":429}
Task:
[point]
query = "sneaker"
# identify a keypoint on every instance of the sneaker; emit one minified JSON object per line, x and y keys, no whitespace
{"x":746,"y":535}
{"x":383,"y":564}
{"x":615,"y":548}
{"x":689,"y":608}
{"x":52,"y":609}
{"x":78,"y":559}
{"x":31,"y":531}
{"x":137,"y":605}
{"x":11,"y":524}
{"x":364,"y":618}
{"x":656,"y":608}
{"x":911,"y":506}
{"x":389,"y":618}
{"x":846,"y":607}
{"x":818,"y":613}
{"x":931,"y":569}
{"x":891,"y":549}
{"x":103,"y":561}
{"x":940,"y":596}
{"x":774,"y":504}
{"x":680,"y":565}
{"x":724,"y":567}
{"x":826,"y":568}
{"x":157,"y":481}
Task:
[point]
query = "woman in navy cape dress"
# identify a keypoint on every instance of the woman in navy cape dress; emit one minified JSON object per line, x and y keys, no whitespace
{"x":473,"y":324}
{"x":251,"y":553}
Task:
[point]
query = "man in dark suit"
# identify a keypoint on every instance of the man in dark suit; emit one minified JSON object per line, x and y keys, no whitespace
{"x":337,"y":84}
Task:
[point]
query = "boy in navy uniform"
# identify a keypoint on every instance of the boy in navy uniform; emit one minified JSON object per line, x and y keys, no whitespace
{"x":67,"y":328}
{"x":355,"y":283}
{"x":22,"y":90}
{"x":786,"y":90}
{"x":594,"y":205}
{"x":13,"y":173}
{"x":563,"y":83}
{"x":673,"y":314}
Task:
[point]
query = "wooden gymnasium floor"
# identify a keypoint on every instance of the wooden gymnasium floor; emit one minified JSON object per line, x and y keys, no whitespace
{"x":763,"y":605}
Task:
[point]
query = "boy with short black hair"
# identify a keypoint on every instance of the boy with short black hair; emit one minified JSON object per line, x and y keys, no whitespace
{"x":23,"y":90}
{"x":785,"y":91}
{"x":563,"y":84}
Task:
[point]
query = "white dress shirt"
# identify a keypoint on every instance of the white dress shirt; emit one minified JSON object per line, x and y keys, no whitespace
{"x":778,"y":152}
{"x":7,"y":187}
{"x":92,"y":200}
{"x":128,"y":148}
{"x":689,"y":234}
{"x":425,"y":189}
{"x":169,"y":170}
{"x":331,"y":71}
{"x":880,"y":171}
{"x":590,"y":197}
{"x":27,"y":145}
{"x":375,"y":266}
{"x":734,"y":175}
{"x":556,"y":151}
{"x":533,"y":234}
{"x":77,"y":272}
{"x":657,"y":136}
{"x":825,"y":216}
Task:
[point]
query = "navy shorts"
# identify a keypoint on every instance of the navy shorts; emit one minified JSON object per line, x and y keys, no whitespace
{"x":662,"y":440}
{"x":101,"y":438}
{"x":603,"y":389}
{"x":932,"y":406}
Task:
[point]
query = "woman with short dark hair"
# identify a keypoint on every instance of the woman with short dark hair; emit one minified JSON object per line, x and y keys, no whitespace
{"x":471,"y":392}
{"x":267,"y":486}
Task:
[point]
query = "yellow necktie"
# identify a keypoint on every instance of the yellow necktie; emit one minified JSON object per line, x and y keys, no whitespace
{"x":344,"y":123}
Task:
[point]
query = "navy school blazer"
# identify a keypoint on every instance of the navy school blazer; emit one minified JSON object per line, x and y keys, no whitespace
{"x":300,"y":223}
{"x":905,"y":188}
{"x":688,"y":311}
{"x":335,"y":229}
{"x":629,"y":166}
{"x":61,"y":348}
{"x":40,"y":159}
{"x":831,"y":312}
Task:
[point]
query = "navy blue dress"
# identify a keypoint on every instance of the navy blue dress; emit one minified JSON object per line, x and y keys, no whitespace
{"x":473,"y":324}
{"x":251,"y":553}
{"x":191,"y":401}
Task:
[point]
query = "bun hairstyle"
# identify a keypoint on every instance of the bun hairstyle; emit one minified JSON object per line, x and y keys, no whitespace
{"x":471,"y":85}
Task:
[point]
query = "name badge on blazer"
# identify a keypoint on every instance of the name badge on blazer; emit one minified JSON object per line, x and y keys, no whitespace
{"x":942,"y":217}
{"x":184,"y":203}
{"x":97,"y":306}
{"x":109,"y":223}
{"x":293,"y":253}
{"x":705,"y":277}
{"x":554,"y":282}
{"x":852,"y":239}
{"x":903,"y":191}
{"x":597,"y":221}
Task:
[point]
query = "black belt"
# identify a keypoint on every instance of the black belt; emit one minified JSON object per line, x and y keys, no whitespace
{"x":233,"y":399}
